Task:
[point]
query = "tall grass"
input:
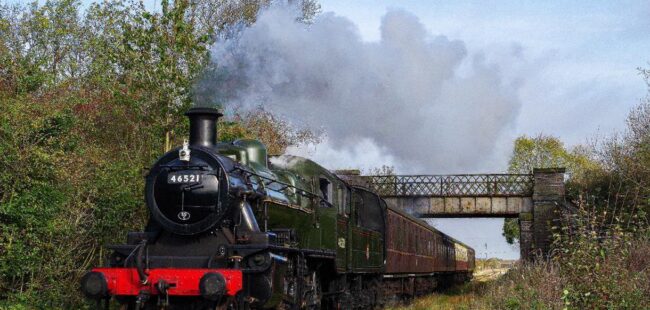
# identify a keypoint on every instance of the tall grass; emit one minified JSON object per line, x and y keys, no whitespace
{"x":596,"y":264}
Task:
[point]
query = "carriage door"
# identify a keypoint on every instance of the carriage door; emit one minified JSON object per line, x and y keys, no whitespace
{"x":342,"y":222}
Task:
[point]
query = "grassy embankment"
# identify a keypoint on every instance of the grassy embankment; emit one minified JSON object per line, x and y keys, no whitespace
{"x":467,"y":295}
{"x":606,"y":270}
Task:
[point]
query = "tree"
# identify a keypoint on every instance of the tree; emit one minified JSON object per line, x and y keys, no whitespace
{"x":544,"y":152}
{"x":538,"y":152}
{"x":276,"y":133}
{"x":87,"y":100}
{"x":626,"y":161}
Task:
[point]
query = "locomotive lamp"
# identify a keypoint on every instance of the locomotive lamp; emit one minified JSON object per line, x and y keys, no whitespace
{"x":184,"y":153}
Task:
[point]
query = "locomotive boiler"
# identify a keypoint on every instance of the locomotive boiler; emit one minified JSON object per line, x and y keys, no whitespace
{"x":231,"y":228}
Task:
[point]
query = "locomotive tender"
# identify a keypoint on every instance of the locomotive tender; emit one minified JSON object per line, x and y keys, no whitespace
{"x":230,"y":228}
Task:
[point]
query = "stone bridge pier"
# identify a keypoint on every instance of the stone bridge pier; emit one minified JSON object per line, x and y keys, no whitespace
{"x":537,"y":199}
{"x":536,"y":226}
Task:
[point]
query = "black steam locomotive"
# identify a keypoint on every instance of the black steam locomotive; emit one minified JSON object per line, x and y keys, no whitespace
{"x":230,"y":228}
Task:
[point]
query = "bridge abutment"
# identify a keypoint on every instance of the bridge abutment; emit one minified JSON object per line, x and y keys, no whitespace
{"x":526,"y":235}
{"x":548,"y":196}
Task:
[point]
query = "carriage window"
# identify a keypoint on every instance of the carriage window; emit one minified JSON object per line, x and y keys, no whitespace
{"x":326,"y":189}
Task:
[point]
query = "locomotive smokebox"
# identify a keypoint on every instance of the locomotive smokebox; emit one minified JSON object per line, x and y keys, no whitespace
{"x":203,"y":126}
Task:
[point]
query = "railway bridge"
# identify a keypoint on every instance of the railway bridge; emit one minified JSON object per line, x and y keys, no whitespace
{"x":537,"y":199}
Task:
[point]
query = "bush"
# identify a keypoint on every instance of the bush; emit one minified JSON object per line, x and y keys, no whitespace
{"x":82,"y":115}
{"x":602,"y":266}
{"x":595,"y":266}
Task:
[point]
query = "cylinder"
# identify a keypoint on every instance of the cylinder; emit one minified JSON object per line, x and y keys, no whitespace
{"x":203,"y":126}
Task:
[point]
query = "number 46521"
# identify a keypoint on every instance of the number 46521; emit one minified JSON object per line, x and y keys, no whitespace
{"x":185,"y":178}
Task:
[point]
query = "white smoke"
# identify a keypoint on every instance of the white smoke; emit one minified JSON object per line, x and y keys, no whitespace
{"x":412,"y":100}
{"x":364,"y":154}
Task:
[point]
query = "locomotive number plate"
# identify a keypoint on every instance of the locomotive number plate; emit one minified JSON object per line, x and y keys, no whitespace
{"x":183,"y":177}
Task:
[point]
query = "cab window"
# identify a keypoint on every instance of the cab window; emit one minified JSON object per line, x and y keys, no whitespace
{"x":326,"y":189}
{"x":368,"y":210}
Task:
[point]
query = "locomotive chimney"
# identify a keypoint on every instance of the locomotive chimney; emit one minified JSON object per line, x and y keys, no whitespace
{"x":203,"y":126}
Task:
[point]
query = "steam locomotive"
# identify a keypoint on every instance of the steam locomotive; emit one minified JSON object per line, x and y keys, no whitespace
{"x":230,"y":228}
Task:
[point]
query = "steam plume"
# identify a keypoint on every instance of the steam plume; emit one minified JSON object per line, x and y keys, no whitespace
{"x":412,"y":99}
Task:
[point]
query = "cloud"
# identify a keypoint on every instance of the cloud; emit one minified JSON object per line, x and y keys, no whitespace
{"x":418,"y":101}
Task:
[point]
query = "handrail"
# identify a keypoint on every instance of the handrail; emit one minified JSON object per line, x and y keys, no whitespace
{"x":459,"y":185}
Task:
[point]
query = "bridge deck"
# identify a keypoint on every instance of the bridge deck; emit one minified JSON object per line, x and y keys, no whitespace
{"x":462,"y":206}
{"x":464,"y":195}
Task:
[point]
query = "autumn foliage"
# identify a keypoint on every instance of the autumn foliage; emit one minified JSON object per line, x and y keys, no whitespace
{"x":89,"y":98}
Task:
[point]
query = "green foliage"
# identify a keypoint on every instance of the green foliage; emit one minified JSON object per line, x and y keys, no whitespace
{"x":611,"y":175}
{"x":607,"y":262}
{"x":537,"y":152}
{"x":87,"y":101}
{"x":511,"y":230}
{"x":543,"y":152}
{"x":549,"y":152}
{"x":35,"y":200}
{"x":597,"y":265}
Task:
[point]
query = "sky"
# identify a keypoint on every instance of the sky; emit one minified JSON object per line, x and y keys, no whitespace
{"x":577,"y":61}
{"x":574,"y":65}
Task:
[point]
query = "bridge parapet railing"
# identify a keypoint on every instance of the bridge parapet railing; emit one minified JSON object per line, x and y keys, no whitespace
{"x":461,"y":185}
